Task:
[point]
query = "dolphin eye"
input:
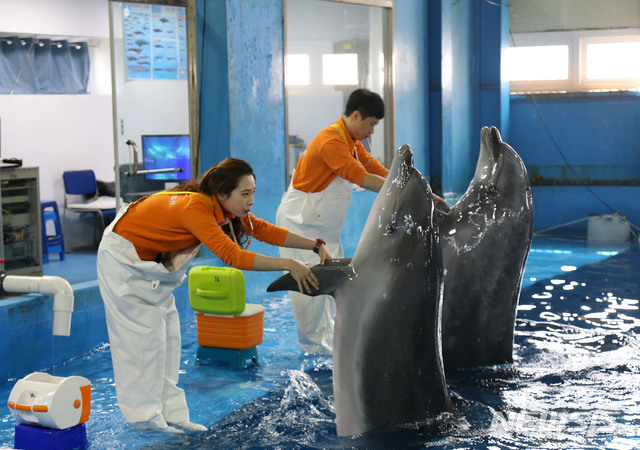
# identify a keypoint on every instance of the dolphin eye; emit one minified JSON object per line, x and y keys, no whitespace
{"x":392,"y":225}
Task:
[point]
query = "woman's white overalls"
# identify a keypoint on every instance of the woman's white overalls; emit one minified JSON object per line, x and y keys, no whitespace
{"x":315,"y":215}
{"x":144,"y":328}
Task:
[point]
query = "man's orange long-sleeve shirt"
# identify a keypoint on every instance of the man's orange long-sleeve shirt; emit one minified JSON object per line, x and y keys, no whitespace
{"x":170,"y":222}
{"x":328,"y":156}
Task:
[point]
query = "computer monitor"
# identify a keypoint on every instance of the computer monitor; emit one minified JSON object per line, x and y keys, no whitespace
{"x":167,"y":151}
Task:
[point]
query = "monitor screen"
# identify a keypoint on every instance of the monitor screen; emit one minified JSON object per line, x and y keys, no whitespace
{"x":167,"y":152}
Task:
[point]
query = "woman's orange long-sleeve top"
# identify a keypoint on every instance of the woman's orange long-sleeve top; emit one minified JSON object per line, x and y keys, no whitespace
{"x":170,"y":222}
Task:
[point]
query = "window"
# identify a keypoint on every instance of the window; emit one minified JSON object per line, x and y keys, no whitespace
{"x":43,"y":66}
{"x":298,"y":70}
{"x":539,"y":62}
{"x":341,"y":69}
{"x":612,"y":60}
{"x":588,"y":60}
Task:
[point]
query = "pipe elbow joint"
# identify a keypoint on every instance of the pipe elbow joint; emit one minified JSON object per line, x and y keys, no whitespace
{"x":62,"y":294}
{"x":58,"y":287}
{"x":62,"y":306}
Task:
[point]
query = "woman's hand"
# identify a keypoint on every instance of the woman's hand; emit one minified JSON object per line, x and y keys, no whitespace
{"x":303,"y":276}
{"x":324,"y":254}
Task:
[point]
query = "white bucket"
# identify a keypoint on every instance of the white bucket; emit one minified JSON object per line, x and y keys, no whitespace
{"x":606,"y":229}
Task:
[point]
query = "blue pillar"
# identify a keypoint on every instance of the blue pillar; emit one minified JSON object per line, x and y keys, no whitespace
{"x":459,"y":94}
{"x":241,"y":98}
{"x":493,"y":45}
{"x":434,"y":47}
{"x":213,"y":81}
{"x":412,"y":88}
{"x":241,"y":82}
{"x":256,"y":91}
{"x":474,"y":38}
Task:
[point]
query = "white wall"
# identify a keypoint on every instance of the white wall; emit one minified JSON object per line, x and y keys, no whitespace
{"x":55,"y":17}
{"x":529,"y":16}
{"x":66,"y":132}
{"x":60,"y":132}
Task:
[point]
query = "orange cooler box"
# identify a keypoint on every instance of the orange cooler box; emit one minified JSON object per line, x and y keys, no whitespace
{"x":239,"y":332}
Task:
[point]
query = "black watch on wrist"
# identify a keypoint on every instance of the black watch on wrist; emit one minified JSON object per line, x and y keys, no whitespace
{"x":319,"y":243}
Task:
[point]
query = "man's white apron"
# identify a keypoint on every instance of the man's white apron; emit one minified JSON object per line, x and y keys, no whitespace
{"x":315,"y":215}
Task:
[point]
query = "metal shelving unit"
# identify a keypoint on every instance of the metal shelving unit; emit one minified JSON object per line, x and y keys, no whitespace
{"x":21,"y":246}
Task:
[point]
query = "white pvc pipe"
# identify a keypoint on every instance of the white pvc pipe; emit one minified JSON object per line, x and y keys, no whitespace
{"x":56,"y":286}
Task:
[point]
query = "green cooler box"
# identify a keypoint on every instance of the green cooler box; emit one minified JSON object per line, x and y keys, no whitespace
{"x":217,"y":290}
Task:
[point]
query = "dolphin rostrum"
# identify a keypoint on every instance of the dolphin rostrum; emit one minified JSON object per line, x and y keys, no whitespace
{"x":387,"y":362}
{"x":486,"y":237}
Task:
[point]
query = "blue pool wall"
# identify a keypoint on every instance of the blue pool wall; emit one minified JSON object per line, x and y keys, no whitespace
{"x":27,"y":323}
{"x":447,"y":87}
{"x":598,"y":134}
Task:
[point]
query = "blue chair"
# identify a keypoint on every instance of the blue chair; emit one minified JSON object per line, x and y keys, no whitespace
{"x":81,"y":196}
{"x":51,"y":243}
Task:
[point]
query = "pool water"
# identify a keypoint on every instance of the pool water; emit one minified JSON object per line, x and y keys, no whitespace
{"x":574,"y":382}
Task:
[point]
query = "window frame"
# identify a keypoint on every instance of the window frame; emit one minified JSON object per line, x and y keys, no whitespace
{"x":577,"y":41}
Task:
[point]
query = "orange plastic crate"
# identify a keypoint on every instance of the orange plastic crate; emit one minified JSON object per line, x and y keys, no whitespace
{"x":237,"y":332}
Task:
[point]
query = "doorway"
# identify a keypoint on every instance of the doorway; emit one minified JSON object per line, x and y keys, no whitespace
{"x":150,"y":97}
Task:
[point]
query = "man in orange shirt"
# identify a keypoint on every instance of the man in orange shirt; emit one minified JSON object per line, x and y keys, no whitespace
{"x":317,"y":202}
{"x":143,"y":257}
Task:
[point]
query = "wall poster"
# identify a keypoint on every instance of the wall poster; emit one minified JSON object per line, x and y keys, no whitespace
{"x":155,"y":41}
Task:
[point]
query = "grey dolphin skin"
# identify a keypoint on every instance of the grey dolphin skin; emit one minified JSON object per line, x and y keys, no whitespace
{"x":486,"y":237}
{"x":387,"y":354}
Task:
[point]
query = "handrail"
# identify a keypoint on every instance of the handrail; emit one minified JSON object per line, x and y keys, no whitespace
{"x":135,"y":170}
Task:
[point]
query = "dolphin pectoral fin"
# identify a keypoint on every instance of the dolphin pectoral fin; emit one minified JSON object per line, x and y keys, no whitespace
{"x":284,"y":283}
{"x":331,"y":276}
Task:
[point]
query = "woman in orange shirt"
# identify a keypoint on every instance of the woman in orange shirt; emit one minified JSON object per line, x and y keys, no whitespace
{"x":144,"y":256}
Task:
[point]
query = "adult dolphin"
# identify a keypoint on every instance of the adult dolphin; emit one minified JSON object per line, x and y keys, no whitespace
{"x":486,"y":237}
{"x":387,"y":362}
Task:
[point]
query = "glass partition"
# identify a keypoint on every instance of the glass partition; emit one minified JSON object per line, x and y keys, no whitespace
{"x":333,"y":48}
{"x":150,"y":97}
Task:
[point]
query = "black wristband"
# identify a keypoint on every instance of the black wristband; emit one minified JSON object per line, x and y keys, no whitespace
{"x":319,"y":243}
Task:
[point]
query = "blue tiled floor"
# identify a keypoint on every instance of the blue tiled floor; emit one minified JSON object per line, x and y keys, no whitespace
{"x":77,"y":267}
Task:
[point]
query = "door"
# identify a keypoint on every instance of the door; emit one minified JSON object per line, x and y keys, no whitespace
{"x":149,"y":59}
